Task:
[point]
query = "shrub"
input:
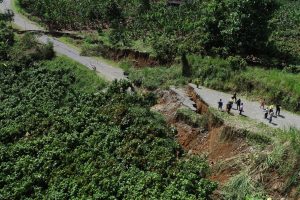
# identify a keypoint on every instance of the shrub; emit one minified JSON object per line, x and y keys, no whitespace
{"x":6,"y":40}
{"x":295,"y":69}
{"x":46,"y":52}
{"x":237,"y":63}
{"x":192,"y":118}
{"x":28,"y":50}
{"x":91,"y":49}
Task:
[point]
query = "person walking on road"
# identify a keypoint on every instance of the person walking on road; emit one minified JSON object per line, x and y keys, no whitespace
{"x":228,"y":107}
{"x":271,"y":108}
{"x":241,"y":108}
{"x":238,"y":104}
{"x":271,"y":116}
{"x":266,"y":113}
{"x":262,"y":103}
{"x":277,"y":113}
{"x":220,"y":105}
{"x":234,"y":97}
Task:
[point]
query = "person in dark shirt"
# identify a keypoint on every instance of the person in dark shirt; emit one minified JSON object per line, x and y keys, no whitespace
{"x":234,"y":97}
{"x":271,"y":116}
{"x":220,"y":105}
{"x":228,"y":107}
{"x":238,"y":104}
{"x":266,"y":112}
{"x":277,"y":110}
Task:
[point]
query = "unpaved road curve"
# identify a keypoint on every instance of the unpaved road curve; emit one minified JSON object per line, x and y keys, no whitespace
{"x":109,"y":72}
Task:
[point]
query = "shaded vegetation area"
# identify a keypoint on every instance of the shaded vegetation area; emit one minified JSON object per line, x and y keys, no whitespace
{"x":286,"y":34}
{"x":268,"y":29}
{"x":203,"y":27}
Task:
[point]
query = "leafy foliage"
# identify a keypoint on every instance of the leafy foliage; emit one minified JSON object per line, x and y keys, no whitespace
{"x":27,"y":50}
{"x":60,"y":142}
{"x":286,"y":35}
{"x":6,"y":39}
{"x":218,"y":26}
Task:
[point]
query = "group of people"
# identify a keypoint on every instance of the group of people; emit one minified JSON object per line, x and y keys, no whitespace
{"x":229,"y":105}
{"x":269,"y":110}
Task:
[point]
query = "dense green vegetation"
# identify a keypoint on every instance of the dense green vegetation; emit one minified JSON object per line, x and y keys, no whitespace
{"x":65,"y":134}
{"x":85,"y":81}
{"x":6,"y":39}
{"x":203,"y":27}
{"x":286,"y":34}
{"x":63,"y":137}
{"x":224,"y":27}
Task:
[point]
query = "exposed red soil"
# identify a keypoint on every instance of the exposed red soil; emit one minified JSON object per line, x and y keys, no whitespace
{"x":138,"y":59}
{"x":209,"y":143}
{"x":221,"y":153}
{"x":198,"y":141}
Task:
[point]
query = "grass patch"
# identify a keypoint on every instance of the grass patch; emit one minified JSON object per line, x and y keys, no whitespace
{"x":86,"y":79}
{"x":158,"y":77}
{"x":242,"y":186}
{"x":274,"y":78}
{"x":192,"y":118}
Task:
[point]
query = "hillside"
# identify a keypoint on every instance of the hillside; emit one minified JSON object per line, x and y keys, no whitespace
{"x":68,"y":133}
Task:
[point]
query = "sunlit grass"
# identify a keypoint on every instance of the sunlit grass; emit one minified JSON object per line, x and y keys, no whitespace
{"x":86,"y":79}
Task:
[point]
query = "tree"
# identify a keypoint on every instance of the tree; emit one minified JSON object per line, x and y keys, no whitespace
{"x":144,"y":6}
{"x":244,"y":27}
{"x":7,"y":16}
{"x":222,"y":27}
{"x":6,"y":39}
{"x":172,"y":31}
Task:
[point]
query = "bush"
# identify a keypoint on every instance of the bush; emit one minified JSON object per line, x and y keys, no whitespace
{"x":6,"y":40}
{"x":237,"y":63}
{"x":192,"y":118}
{"x":91,"y":50}
{"x":28,"y":50}
{"x":295,"y":69}
{"x":46,"y":52}
{"x":165,"y":50}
